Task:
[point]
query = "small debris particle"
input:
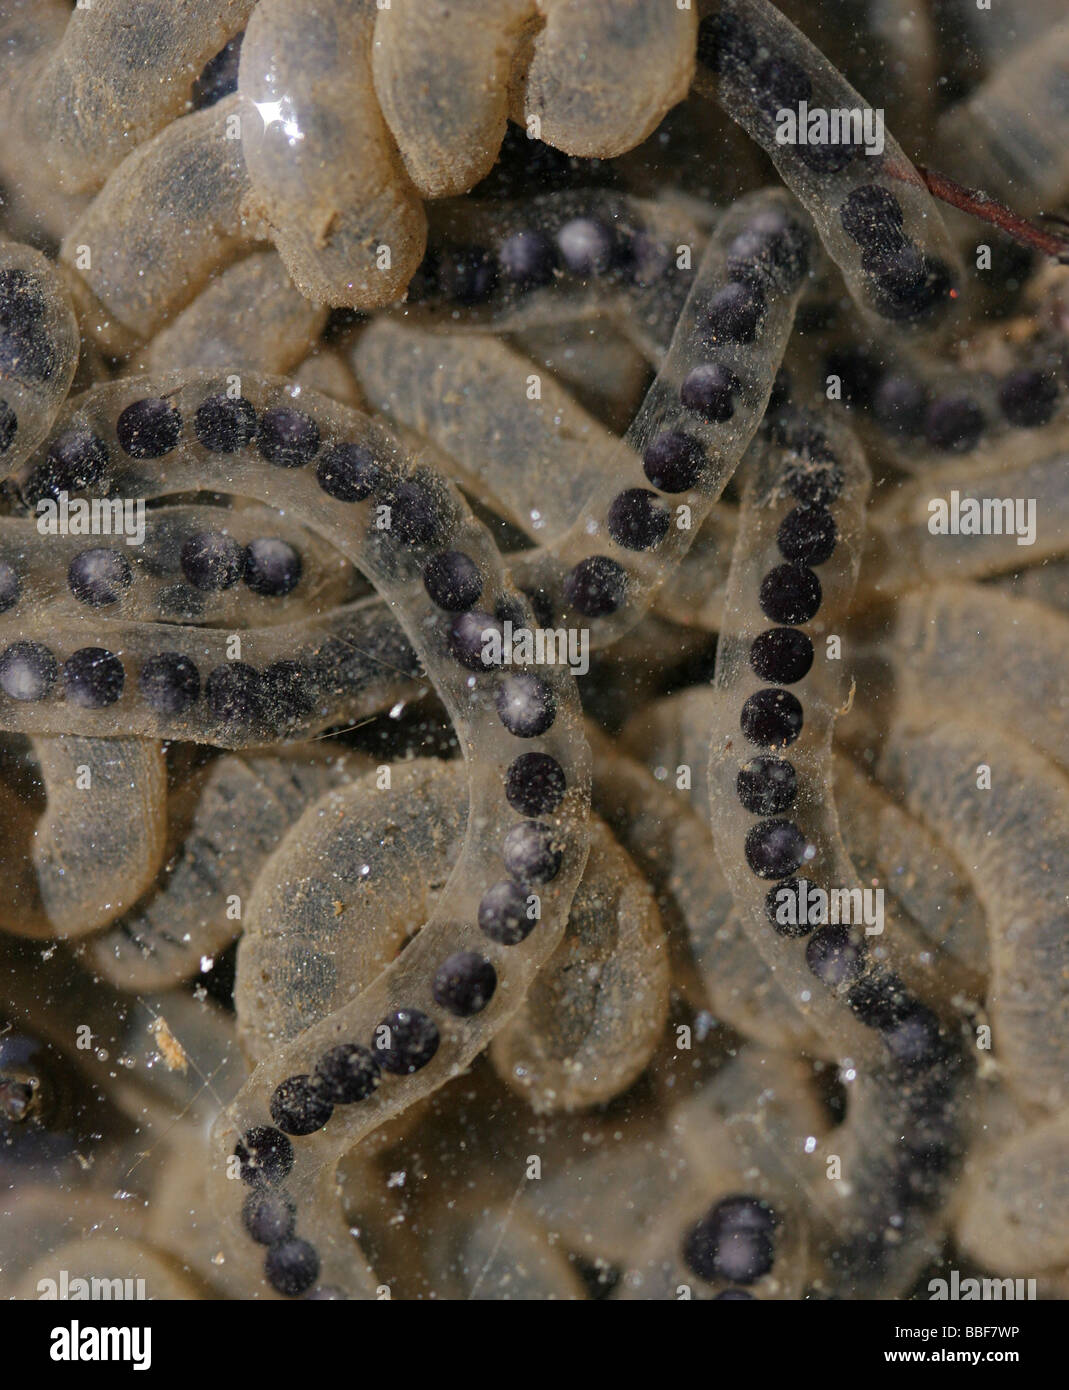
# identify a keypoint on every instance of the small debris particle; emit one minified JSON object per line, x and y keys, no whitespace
{"x":170,"y":1049}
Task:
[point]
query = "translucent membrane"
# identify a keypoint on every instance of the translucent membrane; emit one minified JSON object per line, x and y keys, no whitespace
{"x":169,"y":216}
{"x":406,"y":982}
{"x":40,"y":1044}
{"x":122,"y":1210}
{"x":587,"y":1028}
{"x":29,"y":29}
{"x":108,"y":1262}
{"x":34,"y":207}
{"x":931,"y":890}
{"x":1013,"y":839}
{"x":923,"y":535}
{"x":903,"y":1101}
{"x":291,"y":681}
{"x":1009,"y":136}
{"x":889,"y":47}
{"x":688,"y":452}
{"x":873,"y":212}
{"x":328,"y":879}
{"x":988,"y":46}
{"x":340,"y":896}
{"x":705,"y":1144}
{"x":477,"y":1255}
{"x":766,"y":502}
{"x":242,"y":807}
{"x":694,"y":595}
{"x":725,"y":1144}
{"x":574,"y":83}
{"x":578,"y":1196}
{"x":38,"y":350}
{"x":1013,"y":1214}
{"x":98,"y":843}
{"x":693,"y":425}
{"x":123,"y":70}
{"x":591,"y":1020}
{"x":932,"y":900}
{"x":324,"y":168}
{"x":124,"y":565}
{"x":965,"y":646}
{"x":251,"y":314}
{"x":558,"y":258}
{"x":713,"y":958}
{"x":534,"y":461}
{"x":596,"y":362}
{"x":327,"y":371}
{"x":404,"y":517}
{"x":441,"y":73}
{"x":899,"y":1149}
{"x":139,"y":422}
{"x":961,"y":418}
